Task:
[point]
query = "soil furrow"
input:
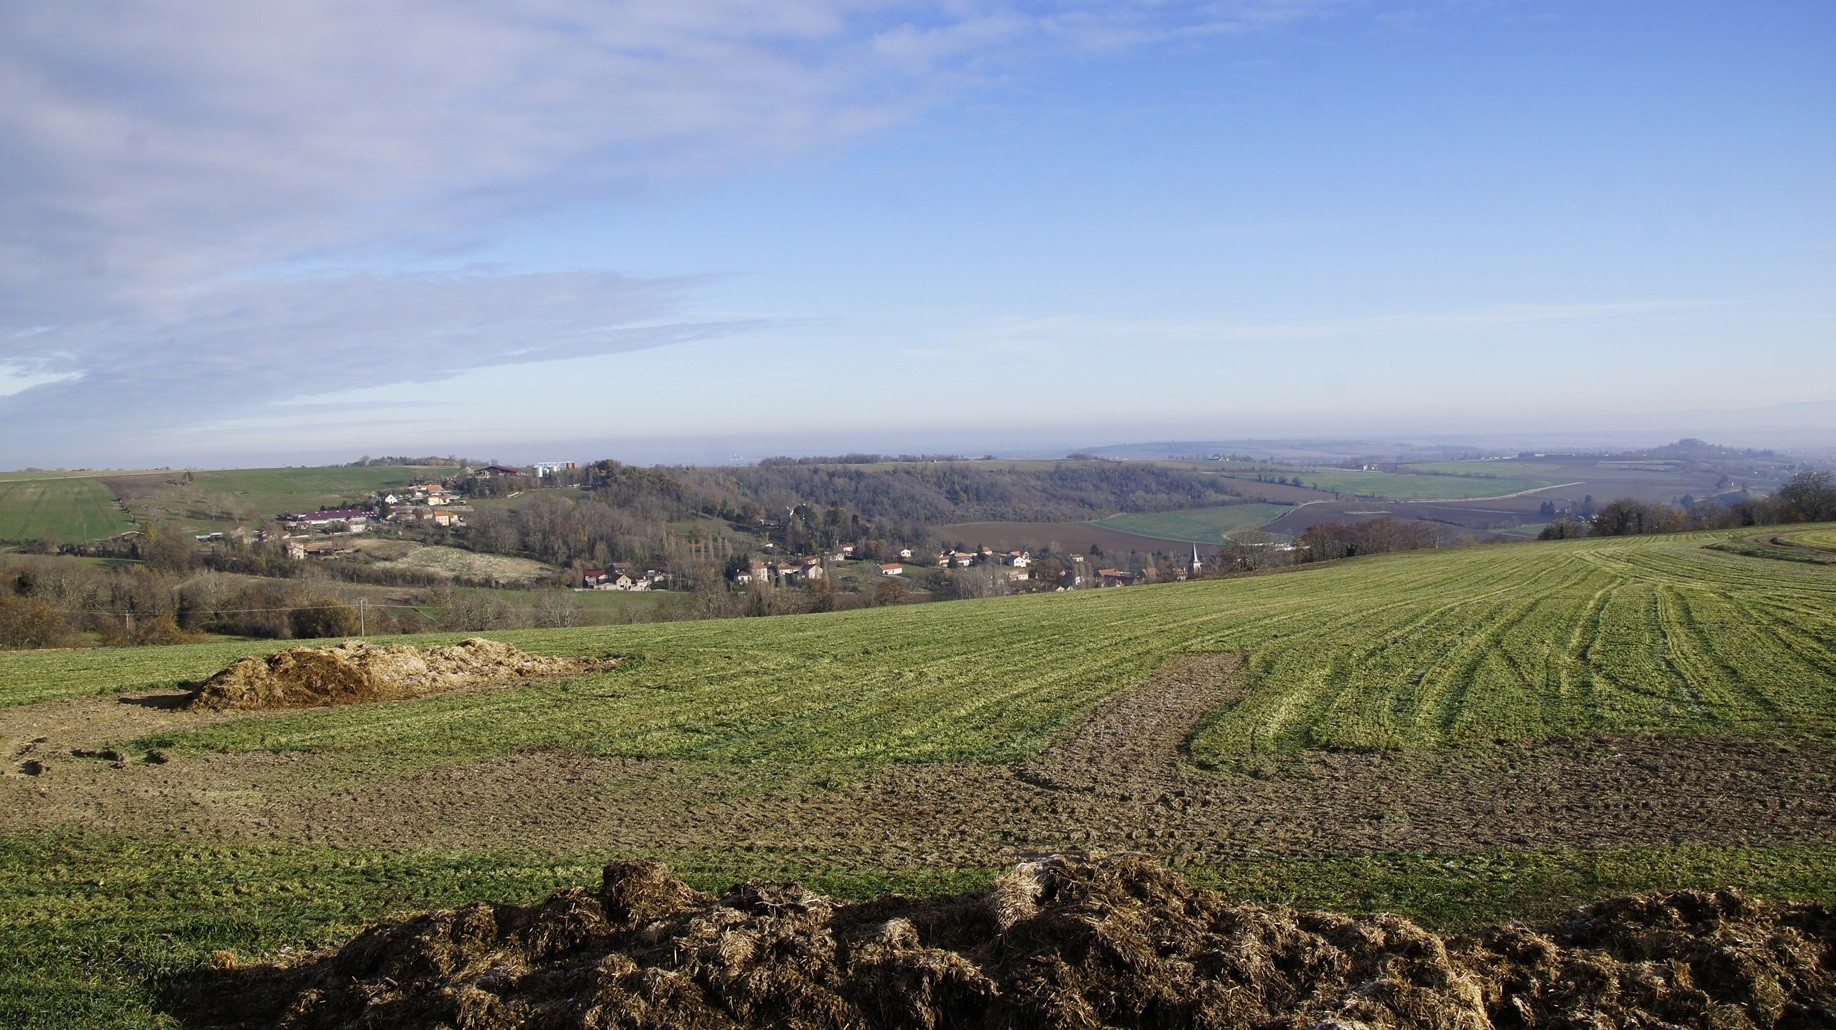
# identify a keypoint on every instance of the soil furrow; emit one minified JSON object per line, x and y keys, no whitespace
{"x":1133,"y":742}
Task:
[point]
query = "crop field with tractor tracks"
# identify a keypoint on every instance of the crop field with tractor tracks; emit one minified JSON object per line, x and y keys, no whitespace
{"x":1459,"y":735}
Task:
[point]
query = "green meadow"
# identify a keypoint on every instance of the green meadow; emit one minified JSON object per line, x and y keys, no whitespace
{"x":1197,"y":525}
{"x":67,"y":507}
{"x":1395,"y":486}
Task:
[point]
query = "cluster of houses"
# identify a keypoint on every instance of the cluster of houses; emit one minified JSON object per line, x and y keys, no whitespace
{"x":983,"y":556}
{"x":622,"y":577}
{"x":424,"y":504}
{"x":1015,"y":564}
{"x":785,"y":571}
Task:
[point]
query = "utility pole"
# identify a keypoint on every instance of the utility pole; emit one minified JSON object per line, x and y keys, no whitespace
{"x":362,"y":626}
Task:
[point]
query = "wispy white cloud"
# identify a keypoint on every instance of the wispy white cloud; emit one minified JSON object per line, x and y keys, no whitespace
{"x":236,"y":348}
{"x":166,"y":162}
{"x":20,"y":378}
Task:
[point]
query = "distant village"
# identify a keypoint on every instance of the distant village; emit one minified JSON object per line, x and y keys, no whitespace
{"x":324,"y":533}
{"x":1014,"y":566}
{"x":423,"y":505}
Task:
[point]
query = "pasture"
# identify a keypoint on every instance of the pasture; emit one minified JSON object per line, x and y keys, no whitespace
{"x":1396,"y":486}
{"x":80,"y":506}
{"x":68,"y":507}
{"x":1197,"y":525}
{"x":1606,"y":479}
{"x":206,"y":499}
{"x":1461,"y":735}
{"x":451,"y":562}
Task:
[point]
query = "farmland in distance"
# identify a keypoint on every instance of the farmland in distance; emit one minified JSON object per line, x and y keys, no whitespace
{"x":84,"y":505}
{"x":1440,"y":485}
{"x":201,"y":499}
{"x":1197,"y":525}
{"x":66,"y":507}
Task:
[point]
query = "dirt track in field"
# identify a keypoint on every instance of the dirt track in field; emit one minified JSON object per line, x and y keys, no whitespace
{"x":1113,"y":781}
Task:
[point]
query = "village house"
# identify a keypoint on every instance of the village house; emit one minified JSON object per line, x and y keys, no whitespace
{"x":420,"y":493}
{"x":799,"y":569}
{"x":1019,"y":559}
{"x":494,"y":471}
{"x":905,"y":554}
{"x":426,"y":515}
{"x":352,"y":519}
{"x":891,"y":569}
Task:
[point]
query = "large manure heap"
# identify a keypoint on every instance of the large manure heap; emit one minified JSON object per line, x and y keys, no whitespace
{"x":1061,"y":942}
{"x":356,"y":671}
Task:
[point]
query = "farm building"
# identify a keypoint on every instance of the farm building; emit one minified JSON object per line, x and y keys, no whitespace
{"x":355,"y":518}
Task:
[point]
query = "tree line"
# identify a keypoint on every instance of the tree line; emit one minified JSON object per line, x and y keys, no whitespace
{"x":1809,"y":496}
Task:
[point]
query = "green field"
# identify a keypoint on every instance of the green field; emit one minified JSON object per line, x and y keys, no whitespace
{"x":1397,"y":486}
{"x":261,"y":493}
{"x":1197,"y":525}
{"x":1428,"y":654}
{"x":1423,"y":650}
{"x":1823,"y":539}
{"x":71,"y":508}
{"x":80,"y":506}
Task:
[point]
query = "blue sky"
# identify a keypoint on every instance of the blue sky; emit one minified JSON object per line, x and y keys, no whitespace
{"x":656,"y":230}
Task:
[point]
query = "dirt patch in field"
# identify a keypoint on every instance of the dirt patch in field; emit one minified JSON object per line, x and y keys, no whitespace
{"x":357,"y":671}
{"x":1134,"y":741}
{"x":1111,"y":782}
{"x":453,"y":562}
{"x":1058,"y":942}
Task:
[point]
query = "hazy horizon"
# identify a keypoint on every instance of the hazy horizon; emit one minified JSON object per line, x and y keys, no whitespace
{"x":1782,"y":435}
{"x":668,"y":232}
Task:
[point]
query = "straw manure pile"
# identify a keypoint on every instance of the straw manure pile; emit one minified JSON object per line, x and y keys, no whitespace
{"x":1061,"y":942}
{"x":355,"y":672}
